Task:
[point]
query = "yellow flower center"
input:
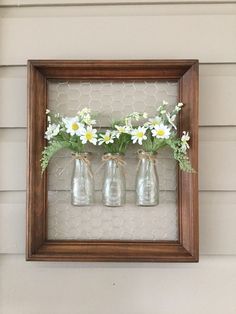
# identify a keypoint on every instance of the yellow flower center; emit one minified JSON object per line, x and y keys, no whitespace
{"x":140,"y":134}
{"x":75,"y":126}
{"x":106,"y":138}
{"x":160,"y":132}
{"x":89,"y":136}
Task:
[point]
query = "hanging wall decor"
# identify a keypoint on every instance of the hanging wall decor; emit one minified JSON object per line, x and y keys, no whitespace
{"x":112,"y":160}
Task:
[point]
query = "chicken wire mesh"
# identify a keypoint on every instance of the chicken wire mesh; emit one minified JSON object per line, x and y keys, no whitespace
{"x":111,"y":100}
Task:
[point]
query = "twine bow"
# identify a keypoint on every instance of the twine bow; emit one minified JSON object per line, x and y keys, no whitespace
{"x":83,"y":157}
{"x":142,"y":154}
{"x":145,"y":155}
{"x":117,"y":158}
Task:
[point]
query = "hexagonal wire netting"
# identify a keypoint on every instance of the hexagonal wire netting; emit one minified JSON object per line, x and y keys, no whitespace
{"x":111,"y":100}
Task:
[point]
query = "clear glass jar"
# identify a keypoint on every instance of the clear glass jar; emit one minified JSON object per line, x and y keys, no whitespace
{"x":147,"y":183}
{"x":114,"y":187}
{"x":82,"y":185}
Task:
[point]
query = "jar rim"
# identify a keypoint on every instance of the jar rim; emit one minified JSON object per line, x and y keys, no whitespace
{"x":147,"y":153}
{"x":82,"y":154}
{"x":113,"y":154}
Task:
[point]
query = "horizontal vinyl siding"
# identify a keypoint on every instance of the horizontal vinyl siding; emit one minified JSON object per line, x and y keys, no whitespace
{"x":217,"y":95}
{"x":217,"y":151}
{"x":216,"y":210}
{"x":55,"y":29}
{"x":207,"y":37}
{"x":216,"y":168}
{"x":98,"y":2}
{"x":217,"y":91}
{"x":71,"y":288}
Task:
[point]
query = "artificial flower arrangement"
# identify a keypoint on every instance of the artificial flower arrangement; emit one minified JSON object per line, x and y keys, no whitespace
{"x":72,"y":133}
{"x":154,"y":133}
{"x":161,"y":131}
{"x":115,"y":142}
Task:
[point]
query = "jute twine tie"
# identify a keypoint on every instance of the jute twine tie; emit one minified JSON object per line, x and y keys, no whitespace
{"x":117,"y":158}
{"x":145,"y":155}
{"x":83,"y":157}
{"x":106,"y":157}
{"x":142,"y":154}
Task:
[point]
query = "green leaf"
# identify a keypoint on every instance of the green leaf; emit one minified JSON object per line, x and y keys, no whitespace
{"x":50,"y":151}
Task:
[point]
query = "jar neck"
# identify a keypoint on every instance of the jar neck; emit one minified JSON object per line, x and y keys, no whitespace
{"x":81,"y":159}
{"x":82,"y":155}
{"x":114,"y":154}
{"x":148,"y":156}
{"x":115,"y":159}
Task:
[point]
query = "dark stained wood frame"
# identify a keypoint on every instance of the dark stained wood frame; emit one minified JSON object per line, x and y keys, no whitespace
{"x":38,"y":248}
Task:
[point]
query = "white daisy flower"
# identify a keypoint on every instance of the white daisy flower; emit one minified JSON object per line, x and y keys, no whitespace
{"x":177,"y":109}
{"x":87,"y":119}
{"x":161,"y":131}
{"x":153,"y":122}
{"x":184,"y":139}
{"x":89,"y":135}
{"x":145,"y":115}
{"x":73,"y":126}
{"x":135,"y":115}
{"x":179,"y":106}
{"x":115,"y":133}
{"x":128,"y":122}
{"x":47,"y":111}
{"x":84,"y":111}
{"x":52,"y":130}
{"x":164,"y":102}
{"x":171,"y":120}
{"x":138,"y":135}
{"x":121,"y":129}
{"x":106,"y":138}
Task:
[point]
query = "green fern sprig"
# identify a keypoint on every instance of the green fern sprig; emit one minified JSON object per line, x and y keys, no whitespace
{"x":50,"y":150}
{"x":180,"y":156}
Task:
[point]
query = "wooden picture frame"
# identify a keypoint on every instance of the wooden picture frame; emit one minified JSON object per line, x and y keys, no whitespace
{"x":38,"y":248}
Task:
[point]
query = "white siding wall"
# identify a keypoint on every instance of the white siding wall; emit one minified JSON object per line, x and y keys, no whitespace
{"x":159,"y":30}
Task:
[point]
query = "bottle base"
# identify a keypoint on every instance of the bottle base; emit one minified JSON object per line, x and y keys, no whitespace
{"x":112,"y":205}
{"x":143,"y":204}
{"x":81,"y":203}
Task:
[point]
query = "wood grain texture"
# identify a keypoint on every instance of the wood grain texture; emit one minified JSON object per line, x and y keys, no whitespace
{"x":188,"y":198}
{"x":38,"y":247}
{"x":36,"y":197}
